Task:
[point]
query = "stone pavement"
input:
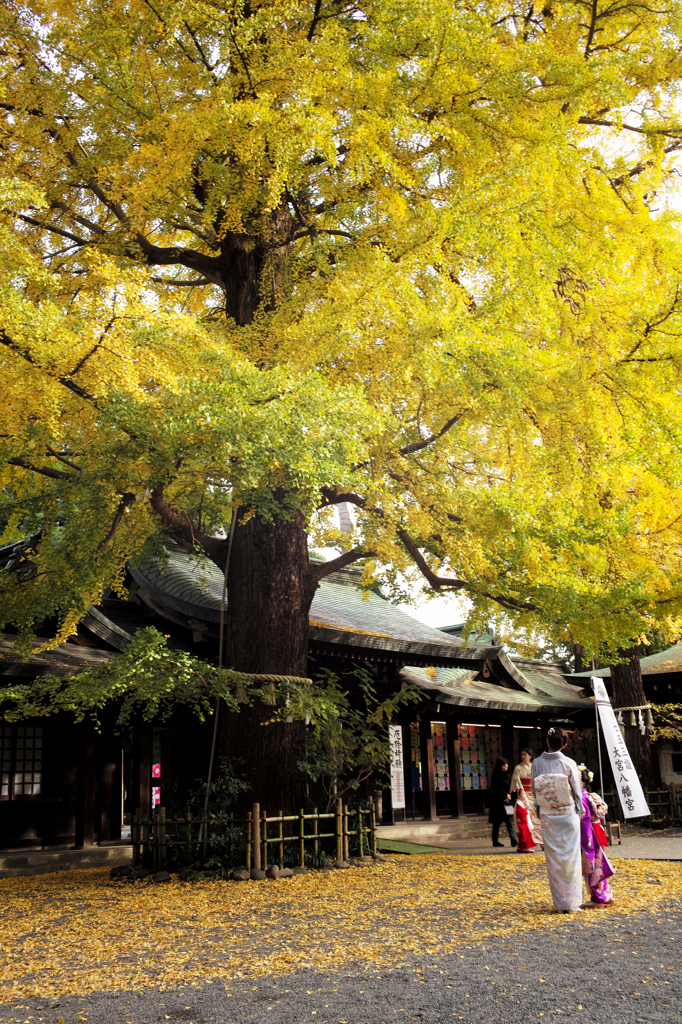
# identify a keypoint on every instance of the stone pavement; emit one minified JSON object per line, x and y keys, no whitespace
{"x":622,"y":970}
{"x":638,"y":844}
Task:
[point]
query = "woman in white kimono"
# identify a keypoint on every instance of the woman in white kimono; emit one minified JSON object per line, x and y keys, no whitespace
{"x":555,"y":782}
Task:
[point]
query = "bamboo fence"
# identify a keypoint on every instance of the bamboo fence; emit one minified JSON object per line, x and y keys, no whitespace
{"x":263,"y":837}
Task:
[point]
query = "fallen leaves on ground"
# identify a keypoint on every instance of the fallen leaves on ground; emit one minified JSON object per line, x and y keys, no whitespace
{"x":77,"y":932}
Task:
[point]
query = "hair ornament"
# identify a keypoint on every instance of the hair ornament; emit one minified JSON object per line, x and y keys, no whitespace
{"x":551,"y":732}
{"x":584,"y":768}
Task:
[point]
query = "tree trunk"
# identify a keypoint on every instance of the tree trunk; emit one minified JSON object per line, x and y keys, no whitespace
{"x":270,"y":590}
{"x":628,"y":691}
{"x":578,"y":658}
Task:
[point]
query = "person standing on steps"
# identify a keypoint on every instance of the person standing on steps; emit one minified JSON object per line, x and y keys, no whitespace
{"x":556,"y":786}
{"x":501,"y":805}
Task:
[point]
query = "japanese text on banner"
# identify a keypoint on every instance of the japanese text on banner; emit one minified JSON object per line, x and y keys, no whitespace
{"x":395,"y":738}
{"x":628,"y":785}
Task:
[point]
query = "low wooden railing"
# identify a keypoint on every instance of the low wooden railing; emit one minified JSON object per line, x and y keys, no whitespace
{"x":154,"y":836}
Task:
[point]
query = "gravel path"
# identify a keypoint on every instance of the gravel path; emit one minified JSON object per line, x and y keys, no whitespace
{"x":625,"y":969}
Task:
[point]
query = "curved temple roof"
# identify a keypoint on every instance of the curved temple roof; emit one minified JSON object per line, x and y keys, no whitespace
{"x":342,"y":612}
{"x":663,"y":663}
{"x":345,"y":618}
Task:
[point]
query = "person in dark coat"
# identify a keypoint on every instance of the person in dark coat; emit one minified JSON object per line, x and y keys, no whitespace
{"x":500,"y":797}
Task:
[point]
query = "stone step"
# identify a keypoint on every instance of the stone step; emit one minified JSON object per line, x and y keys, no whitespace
{"x":14,"y":864}
{"x":448,"y":829}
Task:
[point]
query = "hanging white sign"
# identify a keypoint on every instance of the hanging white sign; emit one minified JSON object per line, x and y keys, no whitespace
{"x":629,"y":787}
{"x":395,"y":738}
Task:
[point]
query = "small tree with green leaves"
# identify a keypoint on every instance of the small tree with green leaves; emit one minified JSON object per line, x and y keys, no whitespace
{"x":347,"y":738}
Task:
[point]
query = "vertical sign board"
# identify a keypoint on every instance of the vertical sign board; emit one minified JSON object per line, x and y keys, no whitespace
{"x":629,"y":787}
{"x":395,"y":738}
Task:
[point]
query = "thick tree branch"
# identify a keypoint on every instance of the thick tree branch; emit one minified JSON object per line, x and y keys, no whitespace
{"x":436,"y":582}
{"x":419,"y":446}
{"x":332,"y":497}
{"x":64,"y":380}
{"x":83,"y":221}
{"x":201,"y":282}
{"x":599,"y":122}
{"x":644,"y":165}
{"x":126,"y":501}
{"x":316,"y":18}
{"x":183,"y":530}
{"x":52,"y":228}
{"x":347,"y":558}
{"x":62,"y":458}
{"x":53,"y":474}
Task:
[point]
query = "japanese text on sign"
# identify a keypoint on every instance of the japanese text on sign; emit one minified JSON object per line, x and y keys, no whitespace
{"x":395,"y":738}
{"x":628,"y":785}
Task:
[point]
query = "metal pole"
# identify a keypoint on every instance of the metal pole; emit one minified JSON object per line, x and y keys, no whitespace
{"x":596,"y":718}
{"x":220,"y":665}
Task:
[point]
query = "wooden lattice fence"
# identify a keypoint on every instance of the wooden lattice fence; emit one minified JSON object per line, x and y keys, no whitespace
{"x":260,"y":838}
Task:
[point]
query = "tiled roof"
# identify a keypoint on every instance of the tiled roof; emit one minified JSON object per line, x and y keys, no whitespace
{"x":457,"y":686}
{"x":342,"y":613}
{"x":664,"y":662}
{"x":66,"y":660}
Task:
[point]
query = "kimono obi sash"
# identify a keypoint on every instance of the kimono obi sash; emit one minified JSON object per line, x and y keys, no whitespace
{"x":525,"y":782}
{"x":554,"y":794}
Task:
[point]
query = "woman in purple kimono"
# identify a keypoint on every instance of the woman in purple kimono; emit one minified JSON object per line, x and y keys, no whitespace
{"x":597,"y":868}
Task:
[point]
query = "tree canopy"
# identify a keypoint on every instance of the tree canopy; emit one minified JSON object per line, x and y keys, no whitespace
{"x":280,"y":255}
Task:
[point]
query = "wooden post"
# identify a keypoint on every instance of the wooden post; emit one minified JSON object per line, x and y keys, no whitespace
{"x":256,"y":837}
{"x":301,"y":834}
{"x":145,"y":835}
{"x":507,"y":740}
{"x":454,"y":757}
{"x":373,"y":833}
{"x":345,"y":832}
{"x":429,"y":812}
{"x":281,"y":844}
{"x":316,"y":842}
{"x":264,"y":839}
{"x":142,"y":766}
{"x":339,"y":831}
{"x":162,"y":837}
{"x":85,"y":791}
{"x":248,"y":840}
{"x":188,"y":832}
{"x":106,"y":793}
{"x":136,"y":836}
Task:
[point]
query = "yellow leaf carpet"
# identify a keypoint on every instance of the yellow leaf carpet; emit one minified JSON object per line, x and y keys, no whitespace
{"x":77,"y":932}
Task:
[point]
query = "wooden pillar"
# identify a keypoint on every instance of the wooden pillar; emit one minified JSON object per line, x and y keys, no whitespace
{"x":429,"y":812}
{"x":454,"y":747}
{"x":142,"y":767}
{"x":85,"y":790}
{"x":507,"y":740}
{"x":110,"y":793}
{"x":105,"y":791}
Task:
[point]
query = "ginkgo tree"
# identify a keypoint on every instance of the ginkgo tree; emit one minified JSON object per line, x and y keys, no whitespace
{"x":263,"y":258}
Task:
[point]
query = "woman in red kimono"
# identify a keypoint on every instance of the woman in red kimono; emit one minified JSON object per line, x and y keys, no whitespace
{"x":527,"y":821}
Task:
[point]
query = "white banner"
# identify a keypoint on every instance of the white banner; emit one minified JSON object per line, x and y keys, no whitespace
{"x":395,"y":738}
{"x":629,"y":787}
